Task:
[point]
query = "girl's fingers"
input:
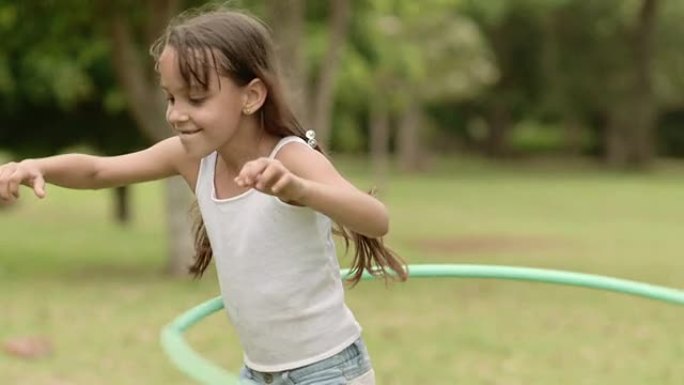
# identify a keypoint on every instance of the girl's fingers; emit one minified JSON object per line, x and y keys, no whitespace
{"x":14,"y":190}
{"x":5,"y":173}
{"x":280,"y":185}
{"x":250,"y":171}
{"x":268,"y":177}
{"x":39,"y":186}
{"x":12,"y":177}
{"x":14,"y":183}
{"x":246,"y":174}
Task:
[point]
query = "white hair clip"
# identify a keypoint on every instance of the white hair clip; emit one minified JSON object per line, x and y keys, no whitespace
{"x":311,"y":138}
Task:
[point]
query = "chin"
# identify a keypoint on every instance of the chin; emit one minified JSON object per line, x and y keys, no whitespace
{"x":197,"y":149}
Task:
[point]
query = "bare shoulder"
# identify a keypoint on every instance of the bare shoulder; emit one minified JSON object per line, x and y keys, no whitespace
{"x":173,"y":153}
{"x":306,"y":162}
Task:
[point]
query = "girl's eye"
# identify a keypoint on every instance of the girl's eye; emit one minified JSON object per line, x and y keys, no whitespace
{"x":170,"y":99}
{"x":196,"y":100}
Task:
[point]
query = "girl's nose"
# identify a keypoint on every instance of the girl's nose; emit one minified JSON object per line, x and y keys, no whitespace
{"x":174,"y":116}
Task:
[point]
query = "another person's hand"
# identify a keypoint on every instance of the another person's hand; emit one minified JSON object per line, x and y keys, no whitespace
{"x":14,"y":174}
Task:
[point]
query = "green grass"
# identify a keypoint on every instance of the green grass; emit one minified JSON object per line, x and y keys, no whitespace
{"x":96,"y":291}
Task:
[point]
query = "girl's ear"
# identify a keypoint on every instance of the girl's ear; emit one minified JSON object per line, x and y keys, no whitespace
{"x":254,"y":96}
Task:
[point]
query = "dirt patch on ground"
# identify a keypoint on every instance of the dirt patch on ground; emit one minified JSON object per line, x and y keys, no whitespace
{"x":488,"y":244}
{"x":29,"y":348}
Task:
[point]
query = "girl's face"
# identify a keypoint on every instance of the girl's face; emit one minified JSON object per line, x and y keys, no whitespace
{"x":205,"y":120}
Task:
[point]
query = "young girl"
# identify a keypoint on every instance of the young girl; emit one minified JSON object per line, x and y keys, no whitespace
{"x":267,"y":197}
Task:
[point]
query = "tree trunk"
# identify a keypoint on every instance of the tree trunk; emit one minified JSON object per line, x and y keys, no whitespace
{"x":643,"y":141}
{"x":499,"y":123}
{"x":380,"y":137}
{"x":179,"y":226}
{"x":161,"y":12}
{"x":409,"y":140}
{"x":572,"y":134}
{"x":144,"y":99}
{"x":324,"y":96}
{"x":287,"y":18}
{"x":615,"y":139}
{"x":122,"y":211}
{"x":630,"y":140}
{"x":146,"y":105}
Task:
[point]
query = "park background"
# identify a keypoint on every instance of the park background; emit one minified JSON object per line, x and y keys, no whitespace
{"x":545,"y":133}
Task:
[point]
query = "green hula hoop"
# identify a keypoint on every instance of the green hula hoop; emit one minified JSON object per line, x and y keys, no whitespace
{"x":206,"y":372}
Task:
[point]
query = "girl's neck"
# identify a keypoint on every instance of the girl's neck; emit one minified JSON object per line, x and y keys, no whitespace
{"x":249,"y":143}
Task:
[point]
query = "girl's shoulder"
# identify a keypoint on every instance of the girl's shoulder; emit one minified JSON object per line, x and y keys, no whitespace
{"x":187,"y":166}
{"x":282,"y":143}
{"x":302,"y":160}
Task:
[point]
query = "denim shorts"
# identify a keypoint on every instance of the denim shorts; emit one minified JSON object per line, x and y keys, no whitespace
{"x":351,"y":366}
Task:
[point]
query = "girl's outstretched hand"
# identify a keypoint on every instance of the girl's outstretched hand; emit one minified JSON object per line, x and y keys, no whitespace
{"x":14,"y":174}
{"x":271,"y":177}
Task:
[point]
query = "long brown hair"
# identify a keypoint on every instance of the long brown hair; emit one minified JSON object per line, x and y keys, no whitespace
{"x":239,"y":46}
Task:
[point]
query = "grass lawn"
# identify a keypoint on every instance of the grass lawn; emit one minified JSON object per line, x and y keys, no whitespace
{"x":96,"y":291}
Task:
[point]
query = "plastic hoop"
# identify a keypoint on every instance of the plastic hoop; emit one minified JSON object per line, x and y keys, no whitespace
{"x":206,"y":372}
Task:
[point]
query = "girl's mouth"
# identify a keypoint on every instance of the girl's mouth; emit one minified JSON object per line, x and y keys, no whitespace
{"x":189,"y":132}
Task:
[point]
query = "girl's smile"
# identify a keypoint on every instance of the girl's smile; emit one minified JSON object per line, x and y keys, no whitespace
{"x":205,"y":118}
{"x":186,"y":133}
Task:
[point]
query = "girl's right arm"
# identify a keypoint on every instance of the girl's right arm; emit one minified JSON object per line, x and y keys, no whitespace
{"x":81,"y":171}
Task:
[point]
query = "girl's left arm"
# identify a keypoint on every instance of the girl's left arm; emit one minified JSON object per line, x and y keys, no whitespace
{"x":305,"y":177}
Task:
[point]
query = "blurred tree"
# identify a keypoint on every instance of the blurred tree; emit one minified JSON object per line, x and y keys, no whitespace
{"x":312,"y":92}
{"x":514,"y":31}
{"x":56,"y":54}
{"x":446,"y":59}
{"x":442,"y":56}
{"x":287,"y":20}
{"x":47,"y":73}
{"x":575,"y":85}
{"x":614,"y":76}
{"x":669,"y":78}
{"x":669,"y":72}
{"x":130,"y":29}
{"x":630,"y":139}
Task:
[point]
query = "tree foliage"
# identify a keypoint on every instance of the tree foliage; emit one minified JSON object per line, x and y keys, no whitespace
{"x":565,"y":63}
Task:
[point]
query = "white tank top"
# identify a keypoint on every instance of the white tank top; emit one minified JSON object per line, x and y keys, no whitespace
{"x":278,"y":274}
